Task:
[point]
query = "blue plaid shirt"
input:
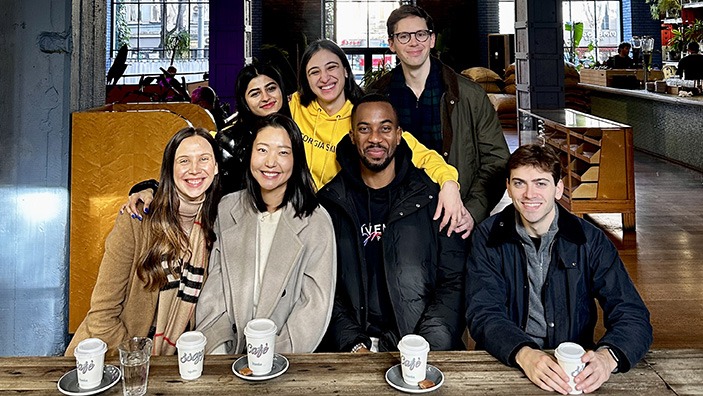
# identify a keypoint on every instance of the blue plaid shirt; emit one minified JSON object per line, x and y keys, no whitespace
{"x":419,"y":116}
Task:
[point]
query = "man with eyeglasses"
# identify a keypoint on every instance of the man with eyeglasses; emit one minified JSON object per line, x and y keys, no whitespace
{"x":446,"y":112}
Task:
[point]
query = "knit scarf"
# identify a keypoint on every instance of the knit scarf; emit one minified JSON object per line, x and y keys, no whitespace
{"x":176,"y":306}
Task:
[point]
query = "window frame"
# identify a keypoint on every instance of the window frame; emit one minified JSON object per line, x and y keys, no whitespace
{"x":329,"y":28}
{"x":145,"y":23}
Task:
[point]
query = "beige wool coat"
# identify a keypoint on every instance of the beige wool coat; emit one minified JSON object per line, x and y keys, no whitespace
{"x":297,"y":291}
{"x":120,"y":306}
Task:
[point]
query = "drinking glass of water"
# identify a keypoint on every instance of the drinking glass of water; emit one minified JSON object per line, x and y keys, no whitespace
{"x":134,"y":362}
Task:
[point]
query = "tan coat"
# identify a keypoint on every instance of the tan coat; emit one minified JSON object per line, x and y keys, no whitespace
{"x":297,"y":291}
{"x":120,"y":307}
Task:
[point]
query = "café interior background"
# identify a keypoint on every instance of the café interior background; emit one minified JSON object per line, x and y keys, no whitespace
{"x":43,"y":84}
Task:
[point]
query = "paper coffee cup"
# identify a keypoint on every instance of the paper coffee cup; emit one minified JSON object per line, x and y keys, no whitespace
{"x":413,"y":358}
{"x":90,"y":358}
{"x":569,"y":355}
{"x":261,"y":339}
{"x":191,"y":352}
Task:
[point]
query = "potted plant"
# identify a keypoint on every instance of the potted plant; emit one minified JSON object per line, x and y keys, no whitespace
{"x":661,"y":9}
{"x":681,"y":37}
{"x":676,"y":45}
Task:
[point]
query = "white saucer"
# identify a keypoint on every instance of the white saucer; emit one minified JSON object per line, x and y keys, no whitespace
{"x":280,"y":365}
{"x":394,"y":377}
{"x":68,"y":384}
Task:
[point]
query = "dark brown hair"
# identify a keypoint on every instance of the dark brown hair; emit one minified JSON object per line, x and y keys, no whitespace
{"x":352,"y":91}
{"x":540,"y":157}
{"x":406,"y":11}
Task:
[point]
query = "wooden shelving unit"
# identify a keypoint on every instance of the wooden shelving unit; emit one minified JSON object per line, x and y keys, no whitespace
{"x":597,"y":159}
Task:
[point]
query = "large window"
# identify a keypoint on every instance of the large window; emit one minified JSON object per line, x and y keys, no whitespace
{"x":594,"y":28}
{"x":359,"y":27}
{"x":159,"y":33}
{"x":600,"y":34}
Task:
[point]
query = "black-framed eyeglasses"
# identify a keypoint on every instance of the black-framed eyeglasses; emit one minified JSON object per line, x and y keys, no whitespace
{"x":420,"y":35}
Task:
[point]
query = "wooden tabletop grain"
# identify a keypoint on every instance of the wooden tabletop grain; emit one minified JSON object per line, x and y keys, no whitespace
{"x":662,"y":372}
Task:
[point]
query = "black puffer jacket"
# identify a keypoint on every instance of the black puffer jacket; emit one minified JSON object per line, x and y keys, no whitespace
{"x":424,"y":268}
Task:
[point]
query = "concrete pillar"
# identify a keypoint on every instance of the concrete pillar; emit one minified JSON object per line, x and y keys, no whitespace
{"x":89,"y":17}
{"x":36,"y":58}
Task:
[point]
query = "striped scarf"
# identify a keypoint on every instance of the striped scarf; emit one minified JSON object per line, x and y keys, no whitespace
{"x":177,"y":299}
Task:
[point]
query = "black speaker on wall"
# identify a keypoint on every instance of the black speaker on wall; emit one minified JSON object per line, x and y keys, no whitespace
{"x":501,"y":52}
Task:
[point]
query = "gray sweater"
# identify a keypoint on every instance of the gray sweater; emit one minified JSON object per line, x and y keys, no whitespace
{"x":538,"y":261}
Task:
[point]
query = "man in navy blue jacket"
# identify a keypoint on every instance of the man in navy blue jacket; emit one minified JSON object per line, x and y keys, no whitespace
{"x":534,"y":273}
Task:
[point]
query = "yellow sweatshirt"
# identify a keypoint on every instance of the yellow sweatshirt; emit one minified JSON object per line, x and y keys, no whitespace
{"x":322,"y":132}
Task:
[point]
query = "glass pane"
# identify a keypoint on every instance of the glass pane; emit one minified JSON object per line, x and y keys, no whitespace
{"x":601,"y":30}
{"x":362,"y":23}
{"x":607,"y":29}
{"x":144,"y":25}
{"x":575,"y":13}
{"x":383,"y":61}
{"x":378,"y":14}
{"x":506,"y":17}
{"x":351,"y":29}
{"x":357,"y":66}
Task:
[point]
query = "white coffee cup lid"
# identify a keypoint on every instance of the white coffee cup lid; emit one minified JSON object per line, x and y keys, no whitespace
{"x":260,"y":328}
{"x":90,"y":347}
{"x":191,"y":339}
{"x":569,"y":351}
{"x":413,"y":343}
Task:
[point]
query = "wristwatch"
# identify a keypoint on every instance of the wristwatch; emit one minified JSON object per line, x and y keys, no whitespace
{"x":358,"y":346}
{"x":614,"y":355}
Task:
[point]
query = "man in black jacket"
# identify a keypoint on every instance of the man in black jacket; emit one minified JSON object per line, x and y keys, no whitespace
{"x":397,"y":273}
{"x":534,"y":273}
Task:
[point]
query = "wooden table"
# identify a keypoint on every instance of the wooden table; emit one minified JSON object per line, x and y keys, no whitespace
{"x":662,"y":372}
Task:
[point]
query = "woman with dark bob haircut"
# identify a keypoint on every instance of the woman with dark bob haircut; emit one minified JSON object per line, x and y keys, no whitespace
{"x":275,"y":255}
{"x":152,"y":271}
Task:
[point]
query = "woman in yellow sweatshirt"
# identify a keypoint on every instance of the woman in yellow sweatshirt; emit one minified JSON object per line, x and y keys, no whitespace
{"x":322,"y":109}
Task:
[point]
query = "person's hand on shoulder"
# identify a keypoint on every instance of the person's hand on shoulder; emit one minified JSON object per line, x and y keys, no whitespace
{"x":130,"y":207}
{"x":599,"y":366}
{"x":543,"y":370}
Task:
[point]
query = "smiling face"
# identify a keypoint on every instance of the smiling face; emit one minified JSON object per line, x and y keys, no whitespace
{"x":194,"y":167}
{"x":376,"y":134}
{"x":534,"y":194}
{"x":263,"y":96}
{"x":326,"y":77}
{"x":414,"y":53}
{"x":272,"y":164}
